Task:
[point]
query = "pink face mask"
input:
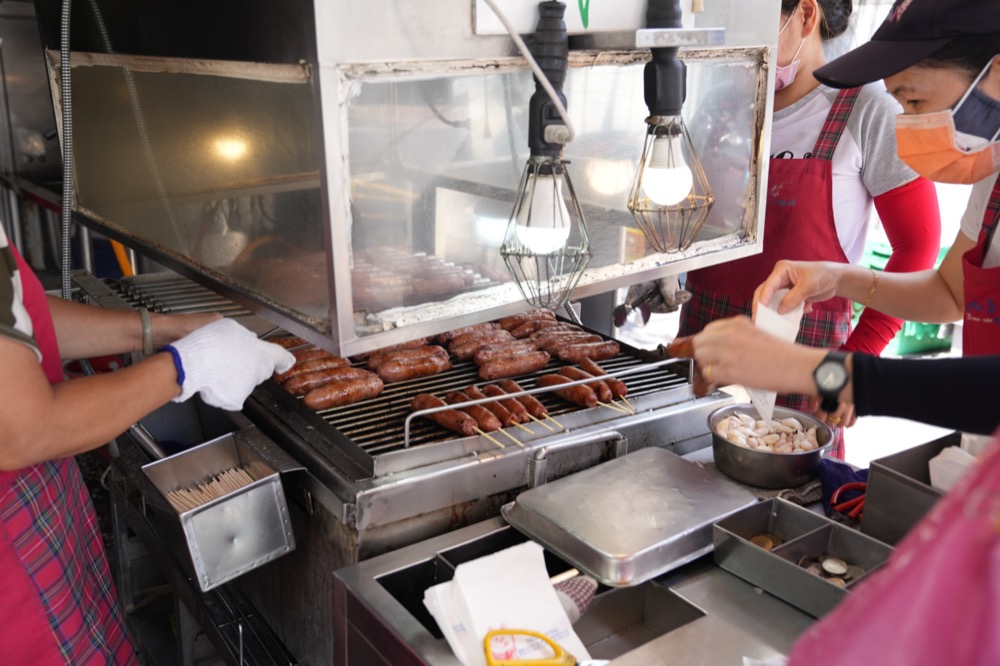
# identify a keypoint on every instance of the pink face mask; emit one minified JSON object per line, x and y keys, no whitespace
{"x":783,"y":76}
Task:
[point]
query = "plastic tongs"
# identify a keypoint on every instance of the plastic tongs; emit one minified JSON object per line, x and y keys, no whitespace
{"x":503,"y":651}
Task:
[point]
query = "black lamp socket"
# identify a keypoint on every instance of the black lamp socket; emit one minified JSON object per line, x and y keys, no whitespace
{"x":551,"y":51}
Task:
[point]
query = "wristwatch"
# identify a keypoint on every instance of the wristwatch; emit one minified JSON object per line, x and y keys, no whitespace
{"x":831,"y":377}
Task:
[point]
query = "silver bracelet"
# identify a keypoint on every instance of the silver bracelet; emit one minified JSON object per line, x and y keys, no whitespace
{"x":147,"y":332}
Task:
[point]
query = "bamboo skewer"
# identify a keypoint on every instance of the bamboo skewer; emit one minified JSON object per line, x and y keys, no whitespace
{"x":611,"y":405}
{"x":491,"y":438}
{"x":228,"y":481}
{"x":512,"y":438}
{"x":556,"y":422}
{"x":525,"y":428}
{"x":543,"y":423}
{"x":630,"y":405}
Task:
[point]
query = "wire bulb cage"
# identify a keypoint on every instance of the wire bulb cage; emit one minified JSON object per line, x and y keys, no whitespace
{"x":546,"y":247}
{"x":670,"y":196}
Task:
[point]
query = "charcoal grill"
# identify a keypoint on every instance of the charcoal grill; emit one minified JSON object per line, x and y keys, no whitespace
{"x":369,"y":487}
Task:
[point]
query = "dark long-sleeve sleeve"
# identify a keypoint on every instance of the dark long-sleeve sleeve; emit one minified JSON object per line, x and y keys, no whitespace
{"x":957,"y":393}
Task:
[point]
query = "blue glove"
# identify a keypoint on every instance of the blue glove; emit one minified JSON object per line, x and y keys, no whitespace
{"x":224,"y":362}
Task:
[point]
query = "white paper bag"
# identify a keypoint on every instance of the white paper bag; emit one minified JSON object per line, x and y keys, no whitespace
{"x":784,"y":326}
{"x":509,"y":589}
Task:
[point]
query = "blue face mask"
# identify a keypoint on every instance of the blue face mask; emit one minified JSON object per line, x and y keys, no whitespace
{"x":977,"y":115}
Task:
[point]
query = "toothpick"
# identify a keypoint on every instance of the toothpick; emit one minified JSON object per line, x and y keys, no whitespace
{"x":492,"y":439}
{"x":512,"y":438}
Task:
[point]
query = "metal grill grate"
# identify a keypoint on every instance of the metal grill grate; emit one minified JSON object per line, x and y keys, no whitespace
{"x":377,"y":426}
{"x":174,"y":294}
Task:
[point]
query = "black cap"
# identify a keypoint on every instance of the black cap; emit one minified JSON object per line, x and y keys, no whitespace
{"x":913,"y":30}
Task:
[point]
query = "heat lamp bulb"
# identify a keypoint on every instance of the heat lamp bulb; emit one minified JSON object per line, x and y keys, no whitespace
{"x":667,"y":179}
{"x":543,"y":226}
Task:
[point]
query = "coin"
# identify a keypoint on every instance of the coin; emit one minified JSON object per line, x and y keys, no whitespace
{"x":815,"y":569}
{"x":762,"y":541}
{"x":775,"y":539}
{"x":806,"y":560}
{"x":839,"y":582}
{"x":853,"y":572}
{"x":833,"y":565}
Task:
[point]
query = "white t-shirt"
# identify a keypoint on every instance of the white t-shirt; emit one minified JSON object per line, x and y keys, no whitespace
{"x":865,"y":164}
{"x":972,"y":220}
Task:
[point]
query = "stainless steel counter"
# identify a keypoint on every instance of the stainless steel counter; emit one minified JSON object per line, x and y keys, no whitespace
{"x":719,"y":618}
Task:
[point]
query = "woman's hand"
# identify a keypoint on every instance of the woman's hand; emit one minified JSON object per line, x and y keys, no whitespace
{"x":734,"y":351}
{"x":809,"y":281}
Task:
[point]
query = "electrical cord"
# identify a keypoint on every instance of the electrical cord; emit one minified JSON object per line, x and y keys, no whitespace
{"x":539,"y":75}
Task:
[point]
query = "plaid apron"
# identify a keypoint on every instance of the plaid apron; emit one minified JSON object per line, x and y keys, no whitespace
{"x":798,"y":225}
{"x":58,"y":606}
{"x":981,"y":320}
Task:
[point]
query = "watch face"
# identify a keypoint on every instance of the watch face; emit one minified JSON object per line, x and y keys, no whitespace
{"x":831,"y":376}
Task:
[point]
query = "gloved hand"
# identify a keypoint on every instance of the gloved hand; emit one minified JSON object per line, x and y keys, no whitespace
{"x":224,"y":362}
{"x":663,"y":295}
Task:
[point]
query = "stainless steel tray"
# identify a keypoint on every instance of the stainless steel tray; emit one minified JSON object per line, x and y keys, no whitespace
{"x":630,"y":519}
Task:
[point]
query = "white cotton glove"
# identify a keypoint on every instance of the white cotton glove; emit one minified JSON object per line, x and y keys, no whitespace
{"x":224,"y":362}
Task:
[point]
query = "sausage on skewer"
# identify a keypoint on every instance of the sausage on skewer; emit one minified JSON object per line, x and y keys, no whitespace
{"x":580,"y":395}
{"x":505,"y":416}
{"x":602,"y":390}
{"x":530,"y":402}
{"x":450,"y":419}
{"x":617,"y":386}
{"x":484,"y":417}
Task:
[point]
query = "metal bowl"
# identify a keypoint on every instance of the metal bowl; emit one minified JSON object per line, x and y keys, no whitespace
{"x":764,"y":469}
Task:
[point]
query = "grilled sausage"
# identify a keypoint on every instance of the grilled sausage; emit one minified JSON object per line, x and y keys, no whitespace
{"x":497,"y":334}
{"x":595,"y":351}
{"x":486,"y":420}
{"x":512,"y":405}
{"x":502,"y":350}
{"x":450,"y":419}
{"x":512,"y":366}
{"x":288,"y":342}
{"x":307,"y":381}
{"x":302,"y":356}
{"x":617,"y":386}
{"x":681,"y":348}
{"x":602,"y":390}
{"x":530,"y":402}
{"x":501,"y":412}
{"x":513,"y":321}
{"x":556,"y":343}
{"x":324,"y":363}
{"x":581,"y":395}
{"x":535,"y":325}
{"x":448,"y":336}
{"x":405,"y":355}
{"x":397,"y":371}
{"x":466,"y":350}
{"x":344,"y":392}
{"x":419,"y":342}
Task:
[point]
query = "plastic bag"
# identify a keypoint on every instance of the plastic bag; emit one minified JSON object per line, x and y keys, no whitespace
{"x":937,"y":600}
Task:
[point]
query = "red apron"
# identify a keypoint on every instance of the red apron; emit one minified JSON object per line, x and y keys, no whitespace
{"x":798,"y":225}
{"x":981,"y":325}
{"x":58,"y":605}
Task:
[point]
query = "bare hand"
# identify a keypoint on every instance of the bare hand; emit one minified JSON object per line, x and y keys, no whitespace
{"x":734,"y":351}
{"x":844,"y":417}
{"x":809,"y":281}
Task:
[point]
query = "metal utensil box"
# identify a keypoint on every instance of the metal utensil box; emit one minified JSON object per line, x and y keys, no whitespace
{"x":802,"y":533}
{"x":899,"y":490}
{"x":237,"y":532}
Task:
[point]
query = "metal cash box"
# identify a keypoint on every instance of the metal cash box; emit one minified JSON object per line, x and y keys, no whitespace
{"x":802,"y":533}
{"x":232,"y":534}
